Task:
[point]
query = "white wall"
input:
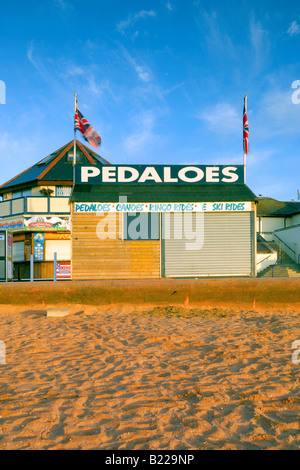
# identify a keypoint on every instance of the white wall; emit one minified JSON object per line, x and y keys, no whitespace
{"x":291,"y":236}
{"x":263,"y":260}
{"x":295,"y":219}
{"x":267,"y":225}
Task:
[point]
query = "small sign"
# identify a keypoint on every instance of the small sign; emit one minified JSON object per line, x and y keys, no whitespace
{"x":38,"y":252}
{"x":39,"y":237}
{"x":9,"y":245}
{"x":41,"y":223}
{"x":63,"y":270}
{"x":9,"y":270}
{"x":90,"y":207}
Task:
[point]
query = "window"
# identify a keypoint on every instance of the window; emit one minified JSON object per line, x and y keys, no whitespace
{"x":141,"y":226}
{"x":24,"y":193}
{"x":70,"y":156}
{"x":63,"y":190}
{"x":62,"y":248}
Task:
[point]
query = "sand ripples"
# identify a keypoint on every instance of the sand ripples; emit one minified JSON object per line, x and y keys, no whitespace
{"x":164,"y":379}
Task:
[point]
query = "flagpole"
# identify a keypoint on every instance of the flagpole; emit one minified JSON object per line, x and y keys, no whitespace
{"x":245,"y":109}
{"x":74,"y":155}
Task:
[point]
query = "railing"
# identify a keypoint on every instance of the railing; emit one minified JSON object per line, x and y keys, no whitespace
{"x":262,"y":240}
{"x":287,"y":246}
{"x":267,"y":257}
{"x":34,"y":205}
{"x":279,"y":258}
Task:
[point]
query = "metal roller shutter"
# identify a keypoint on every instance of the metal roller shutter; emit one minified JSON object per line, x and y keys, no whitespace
{"x":216,"y":244}
{"x":18,"y":251}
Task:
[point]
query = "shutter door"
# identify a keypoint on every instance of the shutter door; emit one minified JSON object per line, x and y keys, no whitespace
{"x":18,"y":251}
{"x":215,"y":244}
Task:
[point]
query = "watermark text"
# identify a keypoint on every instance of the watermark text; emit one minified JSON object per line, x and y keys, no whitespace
{"x":2,"y":92}
{"x":2,"y":353}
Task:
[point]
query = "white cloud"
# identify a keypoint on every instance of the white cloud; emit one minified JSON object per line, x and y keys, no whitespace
{"x":144,"y":139}
{"x":61,"y":4}
{"x":133,"y":18}
{"x":167,"y":91}
{"x":74,"y":70}
{"x":170,"y":7}
{"x":257,"y":157}
{"x":145,"y":124}
{"x":260,"y":44}
{"x":93,"y":87}
{"x":213,"y":29}
{"x":37,"y":64}
{"x":276,"y":114}
{"x":142,"y":70}
{"x":99,"y":88}
{"x":144,"y":14}
{"x":30,"y":56}
{"x":222,"y":118}
{"x":293,"y":29}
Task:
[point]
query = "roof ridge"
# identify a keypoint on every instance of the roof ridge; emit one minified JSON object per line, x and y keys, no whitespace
{"x":95,"y":153}
{"x":52,"y":153}
{"x":53,"y":162}
{"x":82,"y":148}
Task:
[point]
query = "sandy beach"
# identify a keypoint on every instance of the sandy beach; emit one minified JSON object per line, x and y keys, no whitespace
{"x":127,"y":377}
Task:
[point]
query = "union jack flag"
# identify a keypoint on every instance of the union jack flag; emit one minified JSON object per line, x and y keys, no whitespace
{"x":88,"y":132}
{"x":245,"y":128}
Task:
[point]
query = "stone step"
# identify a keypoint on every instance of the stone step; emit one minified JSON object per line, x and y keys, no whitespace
{"x":288,"y":270}
{"x":279,"y":273}
{"x":285,"y":268}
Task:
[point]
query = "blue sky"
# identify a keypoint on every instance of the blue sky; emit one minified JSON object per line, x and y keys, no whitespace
{"x":160,"y":81}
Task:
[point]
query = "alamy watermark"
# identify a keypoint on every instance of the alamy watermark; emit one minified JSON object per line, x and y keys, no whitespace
{"x":296,"y":353}
{"x":295,"y":356}
{"x":2,"y":353}
{"x":2,"y":92}
{"x":296,"y":93}
{"x":188,"y":226}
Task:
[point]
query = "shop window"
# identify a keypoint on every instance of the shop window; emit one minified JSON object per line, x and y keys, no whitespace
{"x":62,"y":248}
{"x":141,"y":226}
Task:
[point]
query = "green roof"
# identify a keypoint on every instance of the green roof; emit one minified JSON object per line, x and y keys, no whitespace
{"x":54,"y":167}
{"x":271,"y":207}
{"x":162,"y":193}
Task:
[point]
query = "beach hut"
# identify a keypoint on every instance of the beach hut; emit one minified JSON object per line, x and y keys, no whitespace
{"x":162,"y":221}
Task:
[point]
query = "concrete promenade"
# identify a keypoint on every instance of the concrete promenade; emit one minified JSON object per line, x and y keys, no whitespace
{"x":233,"y":292}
